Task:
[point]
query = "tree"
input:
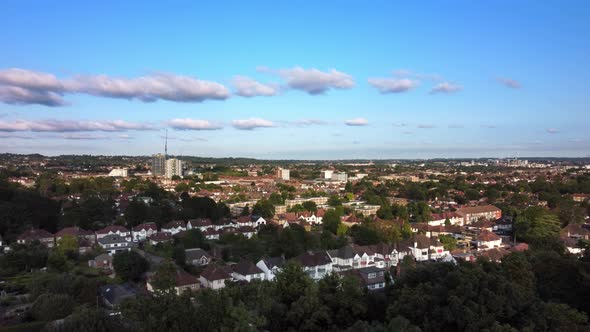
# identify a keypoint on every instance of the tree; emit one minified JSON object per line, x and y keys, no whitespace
{"x":49,"y":307}
{"x":310,"y":206}
{"x":448,"y":241}
{"x":181,"y":187}
{"x":264,"y":209}
{"x":245,"y":211}
{"x":68,"y":245}
{"x":537,"y":227}
{"x":164,"y":279}
{"x":331,"y":221}
{"x":291,"y":283}
{"x":129,"y":265}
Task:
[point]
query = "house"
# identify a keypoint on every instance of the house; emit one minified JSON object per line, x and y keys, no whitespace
{"x":441,"y":218}
{"x":75,"y":232}
{"x":351,"y":256}
{"x":211,"y":234}
{"x":575,"y":231}
{"x":389,"y":255}
{"x":373,"y":278}
{"x":350,"y":220}
{"x":316,"y":264}
{"x":197,"y":257}
{"x":487,"y":240}
{"x":474,"y":213}
{"x":174,"y":227}
{"x":84,"y":245}
{"x":503,"y":224}
{"x":160,"y":238}
{"x":247,"y":271}
{"x":113,"y":295}
{"x":460,"y":255}
{"x":40,"y":235}
{"x":114,"y":243}
{"x":102,"y":261}
{"x":183,"y":282}
{"x":201,"y":223}
{"x":494,"y":255}
{"x":215,"y":276}
{"x":424,"y":248}
{"x":481,"y":225}
{"x":143,"y":231}
{"x":247,"y":231}
{"x":114,"y":229}
{"x":270,"y":266}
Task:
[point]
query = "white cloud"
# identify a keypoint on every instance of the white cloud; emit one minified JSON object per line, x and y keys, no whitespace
{"x":425,"y":126}
{"x":247,"y":87}
{"x":313,"y":81}
{"x":249,"y":124}
{"x":85,"y":137}
{"x":71,"y":126}
{"x":393,"y":85}
{"x":193,"y":124}
{"x":149,"y":88}
{"x":357,"y":122}
{"x":21,"y":86}
{"x":509,"y":83}
{"x":22,"y":96}
{"x":309,"y":122}
{"x":445,"y":87}
{"x":552,"y":130}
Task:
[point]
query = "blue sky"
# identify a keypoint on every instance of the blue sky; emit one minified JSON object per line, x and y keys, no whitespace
{"x":297,"y":79}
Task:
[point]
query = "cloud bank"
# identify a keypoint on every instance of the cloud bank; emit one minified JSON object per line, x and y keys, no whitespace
{"x":250,"y":124}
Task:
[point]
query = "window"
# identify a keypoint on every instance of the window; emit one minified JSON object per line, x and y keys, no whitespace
{"x":372,"y":275}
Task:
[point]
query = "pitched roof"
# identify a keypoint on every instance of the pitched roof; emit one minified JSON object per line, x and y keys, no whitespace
{"x":73,"y":231}
{"x":175,"y":224}
{"x":478,"y":209}
{"x":274,"y":262}
{"x":245,"y":268}
{"x":34,"y":234}
{"x":313,"y":258}
{"x":200,"y":222}
{"x":195,"y":253}
{"x":215,"y":272}
{"x":161,"y":237}
{"x":111,"y":239}
{"x":488,"y":236}
{"x":146,"y":226}
{"x":116,"y":293}
{"x":113,"y":229}
{"x":184,"y":278}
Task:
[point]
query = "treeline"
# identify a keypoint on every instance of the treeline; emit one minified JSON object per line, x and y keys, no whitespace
{"x":536,"y":291}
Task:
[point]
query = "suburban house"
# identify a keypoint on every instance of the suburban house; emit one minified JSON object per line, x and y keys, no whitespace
{"x":424,"y":248}
{"x":270,"y":266}
{"x":174,"y":227}
{"x":183,"y":281}
{"x":316,"y":264}
{"x":351,"y":257}
{"x":75,"y":232}
{"x":114,"y":243}
{"x":247,"y":271}
{"x":389,"y":255}
{"x":215,"y":276}
{"x":247,"y":231}
{"x":197,"y":257}
{"x":441,"y":218}
{"x":487,"y":240}
{"x":160,"y":237}
{"x":40,"y":235}
{"x":102,"y":261}
{"x":474,"y":213}
{"x":211,"y":234}
{"x":201,"y":223}
{"x":571,"y":236}
{"x":373,"y":278}
{"x":503,"y":224}
{"x":143,"y":231}
{"x":114,"y":229}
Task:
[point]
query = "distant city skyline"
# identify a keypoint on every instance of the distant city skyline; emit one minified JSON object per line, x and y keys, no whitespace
{"x":267,"y":80}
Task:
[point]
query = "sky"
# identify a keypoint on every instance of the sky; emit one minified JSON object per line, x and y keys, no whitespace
{"x":296,"y":79}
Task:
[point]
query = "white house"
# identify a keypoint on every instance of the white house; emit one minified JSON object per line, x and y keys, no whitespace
{"x":174,"y":227}
{"x":424,"y":248}
{"x":316,"y":264}
{"x":200,"y":223}
{"x":247,"y":271}
{"x":114,"y":243}
{"x":214,"y":276}
{"x":487,"y":240}
{"x":143,"y":231}
{"x":114,"y":229}
{"x":197,"y":257}
{"x":270,"y":266}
